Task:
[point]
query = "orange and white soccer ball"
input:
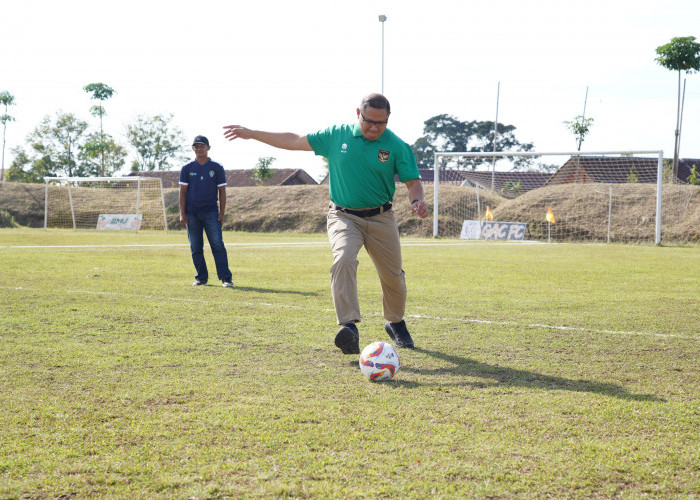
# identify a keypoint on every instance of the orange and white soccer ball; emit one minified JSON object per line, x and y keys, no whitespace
{"x":379,"y":361}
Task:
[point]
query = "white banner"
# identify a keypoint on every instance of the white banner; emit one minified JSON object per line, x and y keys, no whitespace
{"x":130,"y":222}
{"x":475,"y":230}
{"x":471,"y":230}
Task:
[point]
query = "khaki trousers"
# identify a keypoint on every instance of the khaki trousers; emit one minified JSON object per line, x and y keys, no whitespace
{"x":380,"y":236}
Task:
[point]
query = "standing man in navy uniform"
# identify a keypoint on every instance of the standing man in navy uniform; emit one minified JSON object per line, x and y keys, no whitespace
{"x":201,"y":183}
{"x":363,"y":159}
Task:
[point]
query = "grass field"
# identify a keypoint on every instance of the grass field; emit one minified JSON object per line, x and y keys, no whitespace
{"x":562,"y":370}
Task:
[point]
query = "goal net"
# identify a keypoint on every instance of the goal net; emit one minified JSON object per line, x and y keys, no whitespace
{"x":629,"y":196}
{"x":104,"y":203}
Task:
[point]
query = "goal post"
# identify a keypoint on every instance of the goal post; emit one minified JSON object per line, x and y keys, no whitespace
{"x":104,"y":203}
{"x":610,"y":196}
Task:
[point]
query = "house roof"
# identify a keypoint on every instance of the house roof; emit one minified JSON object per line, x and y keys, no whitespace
{"x":502,"y":181}
{"x":593,"y":169}
{"x":616,"y":169}
{"x":239,"y":178}
{"x":281,"y":177}
{"x":451,"y":176}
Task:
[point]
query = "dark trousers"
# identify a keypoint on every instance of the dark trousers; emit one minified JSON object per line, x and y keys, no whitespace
{"x":207,"y":222}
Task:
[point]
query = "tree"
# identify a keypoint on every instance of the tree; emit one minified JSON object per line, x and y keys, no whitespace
{"x":446,"y":133}
{"x":580,"y":127}
{"x":633,"y":177}
{"x":101,"y":92}
{"x":694,"y":177}
{"x":157,"y":143}
{"x":64,"y":137}
{"x":262,"y":170}
{"x":512,"y":188}
{"x":680,"y":54}
{"x":61,"y":147}
{"x":30,"y":170}
{"x":101,"y":156}
{"x":6,"y":99}
{"x":54,"y":147}
{"x":667,"y":174}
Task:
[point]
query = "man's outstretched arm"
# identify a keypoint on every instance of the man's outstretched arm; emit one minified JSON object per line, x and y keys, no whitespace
{"x":281,"y":140}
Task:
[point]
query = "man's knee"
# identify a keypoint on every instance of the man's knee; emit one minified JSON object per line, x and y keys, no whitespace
{"x":344,"y":263}
{"x":217,"y":246}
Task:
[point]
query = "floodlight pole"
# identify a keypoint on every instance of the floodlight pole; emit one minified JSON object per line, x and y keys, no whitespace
{"x":382,"y":19}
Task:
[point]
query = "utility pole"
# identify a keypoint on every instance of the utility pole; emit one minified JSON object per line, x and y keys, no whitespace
{"x":382,"y":19}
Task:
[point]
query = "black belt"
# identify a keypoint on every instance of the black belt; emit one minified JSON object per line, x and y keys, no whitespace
{"x":364,"y":213}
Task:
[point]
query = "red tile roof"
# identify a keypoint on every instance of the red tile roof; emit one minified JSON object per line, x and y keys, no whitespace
{"x":616,"y":170}
{"x":503,"y":182}
{"x":239,"y":178}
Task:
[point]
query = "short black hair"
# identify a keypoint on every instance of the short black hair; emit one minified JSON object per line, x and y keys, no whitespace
{"x":377,"y":101}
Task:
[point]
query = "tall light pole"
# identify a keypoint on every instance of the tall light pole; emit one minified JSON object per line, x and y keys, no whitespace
{"x":382,"y":18}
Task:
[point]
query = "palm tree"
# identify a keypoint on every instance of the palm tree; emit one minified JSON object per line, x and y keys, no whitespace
{"x":101,"y":92}
{"x":6,"y":99}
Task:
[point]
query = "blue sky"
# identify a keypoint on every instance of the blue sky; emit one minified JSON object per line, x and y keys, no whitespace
{"x":301,"y":66}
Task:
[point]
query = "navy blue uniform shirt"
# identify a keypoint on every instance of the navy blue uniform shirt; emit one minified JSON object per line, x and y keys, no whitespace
{"x":203,"y":182}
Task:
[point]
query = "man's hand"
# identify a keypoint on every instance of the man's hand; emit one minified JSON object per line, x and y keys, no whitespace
{"x":416,"y":194}
{"x":183,"y":220}
{"x":420,"y":208}
{"x":236,"y":131}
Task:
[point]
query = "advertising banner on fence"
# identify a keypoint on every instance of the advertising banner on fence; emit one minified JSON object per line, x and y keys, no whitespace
{"x":130,"y":222}
{"x":475,"y":230}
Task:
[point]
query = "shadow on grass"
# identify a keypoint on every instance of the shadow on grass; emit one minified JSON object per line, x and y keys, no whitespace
{"x":264,"y":290}
{"x":272,"y":290}
{"x":510,"y":377}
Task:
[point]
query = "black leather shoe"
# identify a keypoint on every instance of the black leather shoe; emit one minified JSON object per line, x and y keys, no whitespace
{"x":399,"y":334}
{"x":348,"y":339}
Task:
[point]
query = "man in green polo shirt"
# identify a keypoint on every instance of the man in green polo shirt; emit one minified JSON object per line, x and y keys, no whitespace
{"x":363,"y":160}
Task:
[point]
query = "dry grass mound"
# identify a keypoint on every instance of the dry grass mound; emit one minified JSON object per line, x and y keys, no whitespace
{"x":24,"y":203}
{"x":582,"y":210}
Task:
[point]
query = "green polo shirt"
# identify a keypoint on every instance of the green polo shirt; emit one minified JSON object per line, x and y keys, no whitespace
{"x":361,"y":172}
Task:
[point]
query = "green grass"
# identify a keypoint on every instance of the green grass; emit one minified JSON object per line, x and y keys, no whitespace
{"x":556,"y":370}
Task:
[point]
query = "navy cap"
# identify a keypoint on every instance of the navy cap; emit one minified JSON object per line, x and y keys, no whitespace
{"x":200,"y":139}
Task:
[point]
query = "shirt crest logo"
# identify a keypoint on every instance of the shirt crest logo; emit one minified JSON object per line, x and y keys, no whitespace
{"x":211,"y":173}
{"x":383,"y":155}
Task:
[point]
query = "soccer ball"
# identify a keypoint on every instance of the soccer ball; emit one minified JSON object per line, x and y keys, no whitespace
{"x":379,"y":361}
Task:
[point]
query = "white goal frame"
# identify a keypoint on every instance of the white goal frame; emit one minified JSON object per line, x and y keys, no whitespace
{"x":497,"y":154}
{"x":73,"y":182}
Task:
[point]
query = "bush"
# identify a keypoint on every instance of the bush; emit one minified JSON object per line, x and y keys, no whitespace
{"x":6,"y":219}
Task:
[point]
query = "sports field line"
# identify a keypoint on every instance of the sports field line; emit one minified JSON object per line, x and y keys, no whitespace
{"x":377,"y":314}
{"x":262,"y":244}
{"x":550,"y":327}
{"x":160,"y":245}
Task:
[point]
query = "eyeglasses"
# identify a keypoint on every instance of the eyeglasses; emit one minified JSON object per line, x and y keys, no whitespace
{"x":372,"y":122}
